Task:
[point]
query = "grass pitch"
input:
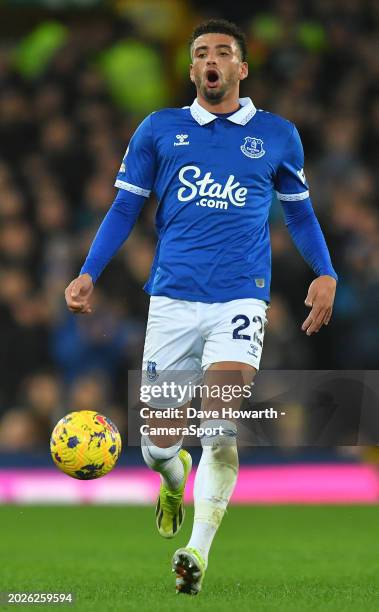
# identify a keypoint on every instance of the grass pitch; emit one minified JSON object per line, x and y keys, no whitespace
{"x":283,"y":558}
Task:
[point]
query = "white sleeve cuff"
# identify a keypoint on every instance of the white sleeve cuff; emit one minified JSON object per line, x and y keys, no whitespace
{"x":132,"y":188}
{"x":292,"y":197}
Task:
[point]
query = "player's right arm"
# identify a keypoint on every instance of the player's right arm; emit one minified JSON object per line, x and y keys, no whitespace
{"x":135,"y":180}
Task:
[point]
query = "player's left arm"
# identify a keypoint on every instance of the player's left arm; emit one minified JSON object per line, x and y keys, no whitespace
{"x":304,"y":228}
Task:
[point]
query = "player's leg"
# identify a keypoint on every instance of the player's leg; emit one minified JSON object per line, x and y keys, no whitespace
{"x":171,"y":355}
{"x":174,"y":465}
{"x":215,"y":479}
{"x":217,"y":472}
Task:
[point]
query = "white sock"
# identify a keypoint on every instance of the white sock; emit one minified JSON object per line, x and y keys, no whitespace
{"x":215,"y":479}
{"x":202,"y":537}
{"x":165,"y":461}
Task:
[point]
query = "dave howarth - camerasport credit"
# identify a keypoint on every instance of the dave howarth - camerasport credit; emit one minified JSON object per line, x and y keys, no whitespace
{"x":192,"y":413}
{"x":193,"y":430}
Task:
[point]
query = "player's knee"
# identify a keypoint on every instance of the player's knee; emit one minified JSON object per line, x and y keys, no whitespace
{"x":222,"y":444}
{"x":226,"y":455}
{"x":154,"y":455}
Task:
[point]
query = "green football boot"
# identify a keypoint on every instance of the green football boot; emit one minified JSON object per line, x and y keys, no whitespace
{"x":169,"y":510}
{"x":189,"y":567}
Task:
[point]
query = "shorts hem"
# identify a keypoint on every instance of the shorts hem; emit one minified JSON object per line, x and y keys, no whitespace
{"x":255,"y":365}
{"x":206,"y":300}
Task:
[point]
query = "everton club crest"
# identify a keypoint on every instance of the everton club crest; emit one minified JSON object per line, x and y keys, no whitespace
{"x":152,"y":370}
{"x":253,"y":147}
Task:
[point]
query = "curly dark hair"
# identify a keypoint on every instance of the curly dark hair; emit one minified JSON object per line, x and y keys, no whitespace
{"x":221,"y":26}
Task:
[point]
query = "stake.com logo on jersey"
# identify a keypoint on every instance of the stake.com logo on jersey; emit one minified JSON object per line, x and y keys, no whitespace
{"x":210,"y":193}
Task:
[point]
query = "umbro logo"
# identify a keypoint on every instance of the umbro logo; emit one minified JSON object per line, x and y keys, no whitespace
{"x":182,"y":140}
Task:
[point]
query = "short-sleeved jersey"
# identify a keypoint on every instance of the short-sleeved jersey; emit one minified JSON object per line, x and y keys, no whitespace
{"x":213,"y":177}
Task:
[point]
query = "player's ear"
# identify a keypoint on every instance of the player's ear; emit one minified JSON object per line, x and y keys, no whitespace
{"x":191,"y":73}
{"x":244,"y":70}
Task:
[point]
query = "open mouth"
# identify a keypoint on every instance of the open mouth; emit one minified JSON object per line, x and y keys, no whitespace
{"x":212,"y":78}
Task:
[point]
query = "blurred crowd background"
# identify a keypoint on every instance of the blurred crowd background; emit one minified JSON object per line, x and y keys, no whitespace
{"x":76,"y":78}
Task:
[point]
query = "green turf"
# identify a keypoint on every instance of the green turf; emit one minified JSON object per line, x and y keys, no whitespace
{"x":263,"y":558}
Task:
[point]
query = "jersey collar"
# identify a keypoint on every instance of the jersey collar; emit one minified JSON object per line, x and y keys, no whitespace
{"x":240,"y":117}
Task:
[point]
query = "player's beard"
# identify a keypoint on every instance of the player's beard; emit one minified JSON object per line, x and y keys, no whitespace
{"x":213,"y":95}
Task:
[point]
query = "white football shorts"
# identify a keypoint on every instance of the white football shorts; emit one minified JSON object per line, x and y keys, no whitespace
{"x":184,"y":338}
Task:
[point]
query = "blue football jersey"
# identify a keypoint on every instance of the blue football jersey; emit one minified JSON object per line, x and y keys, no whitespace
{"x":213,"y":177}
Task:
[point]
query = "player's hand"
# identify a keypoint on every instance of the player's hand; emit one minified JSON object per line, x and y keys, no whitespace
{"x":77,"y":294}
{"x":320,"y":299}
